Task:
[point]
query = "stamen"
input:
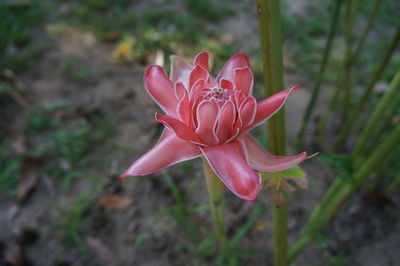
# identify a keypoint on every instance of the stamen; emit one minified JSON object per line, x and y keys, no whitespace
{"x":218,"y":94}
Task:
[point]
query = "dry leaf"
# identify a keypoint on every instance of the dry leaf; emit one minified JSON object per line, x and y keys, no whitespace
{"x":28,"y":179}
{"x":259,"y":227}
{"x":115,"y":202}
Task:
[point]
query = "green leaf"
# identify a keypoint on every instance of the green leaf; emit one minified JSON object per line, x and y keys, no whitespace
{"x":294,"y":172}
{"x":339,"y":162}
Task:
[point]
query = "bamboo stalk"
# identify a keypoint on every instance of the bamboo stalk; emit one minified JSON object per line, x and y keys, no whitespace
{"x":322,"y":68}
{"x":385,"y":104}
{"x":348,"y":125}
{"x":315,"y":225}
{"x":269,"y":15}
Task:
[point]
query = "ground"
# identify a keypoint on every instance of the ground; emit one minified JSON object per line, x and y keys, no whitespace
{"x":80,"y":117}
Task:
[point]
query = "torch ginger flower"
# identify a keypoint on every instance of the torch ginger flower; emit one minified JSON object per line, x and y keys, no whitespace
{"x":211,"y":117}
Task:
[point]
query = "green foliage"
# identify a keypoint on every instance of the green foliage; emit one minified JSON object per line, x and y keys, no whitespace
{"x":9,"y":174}
{"x":341,"y":163}
{"x":17,"y":24}
{"x":73,"y":219}
{"x":208,"y":9}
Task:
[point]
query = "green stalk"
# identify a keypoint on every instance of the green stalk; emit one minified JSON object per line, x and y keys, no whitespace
{"x":215,"y":190}
{"x":364,"y":35}
{"x":315,"y":225}
{"x":346,"y":82}
{"x":269,"y":15}
{"x":393,"y":184}
{"x":324,"y":62}
{"x":385,"y":104}
{"x":368,"y":91}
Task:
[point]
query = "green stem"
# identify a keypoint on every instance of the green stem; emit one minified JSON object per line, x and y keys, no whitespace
{"x":325,"y":59}
{"x":280,"y":233}
{"x":346,"y":82}
{"x":315,"y":225}
{"x":393,"y":184}
{"x":385,"y":104}
{"x":364,"y":35}
{"x":215,"y":190}
{"x":367,"y":93}
{"x":269,"y":15}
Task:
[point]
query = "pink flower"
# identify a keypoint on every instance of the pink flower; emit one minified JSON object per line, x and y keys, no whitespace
{"x":211,"y":117}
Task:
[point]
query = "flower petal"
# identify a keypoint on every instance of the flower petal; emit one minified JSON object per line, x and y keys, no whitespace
{"x":202,"y":59}
{"x":168,"y":151}
{"x":269,"y":106}
{"x":197,"y":73}
{"x":207,"y":114}
{"x":226,"y":84}
{"x":183,"y":109}
{"x":180,"y":70}
{"x":229,"y":162}
{"x":181,"y":129}
{"x":239,"y":60}
{"x":161,"y":89}
{"x":262,"y":160}
{"x":244,"y":80}
{"x":225,"y":121}
{"x":247,"y":111}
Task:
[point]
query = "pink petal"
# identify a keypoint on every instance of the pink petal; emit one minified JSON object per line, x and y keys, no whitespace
{"x":225,"y":121}
{"x":247,"y":111}
{"x":161,"y":89}
{"x":271,"y":105}
{"x":181,"y":129}
{"x":202,"y":59}
{"x":197,"y":73}
{"x":207,"y":114}
{"x":262,"y":160}
{"x":239,"y":60}
{"x":244,"y":80}
{"x":183,"y":108}
{"x":180,"y":70}
{"x":226,"y":84}
{"x":229,"y":162}
{"x":168,"y":151}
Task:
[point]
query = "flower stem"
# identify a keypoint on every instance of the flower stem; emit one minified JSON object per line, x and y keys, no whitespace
{"x":345,"y":130}
{"x":324,"y":62}
{"x":215,"y":190}
{"x":269,"y":17}
{"x":344,"y":191}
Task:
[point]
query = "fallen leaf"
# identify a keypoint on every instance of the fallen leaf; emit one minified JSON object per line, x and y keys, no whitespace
{"x":259,"y":227}
{"x":115,"y":202}
{"x":101,"y":250}
{"x":28,"y":178}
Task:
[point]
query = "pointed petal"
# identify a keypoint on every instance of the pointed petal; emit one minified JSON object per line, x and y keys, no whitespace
{"x":181,"y":129}
{"x":229,"y":162}
{"x":168,"y":151}
{"x":271,"y":105}
{"x":247,"y":111}
{"x":207,"y":114}
{"x":244,"y":80}
{"x":239,"y":60}
{"x":183,"y":109}
{"x":262,"y":160}
{"x":226,"y":84}
{"x":225,"y":121}
{"x":161,"y":89}
{"x":180,"y":70}
{"x":202,"y":59}
{"x":197,"y":73}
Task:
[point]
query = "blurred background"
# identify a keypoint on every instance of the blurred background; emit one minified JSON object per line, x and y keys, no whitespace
{"x":75,"y":115}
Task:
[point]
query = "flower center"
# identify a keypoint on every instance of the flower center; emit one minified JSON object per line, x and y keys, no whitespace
{"x":218,"y":94}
